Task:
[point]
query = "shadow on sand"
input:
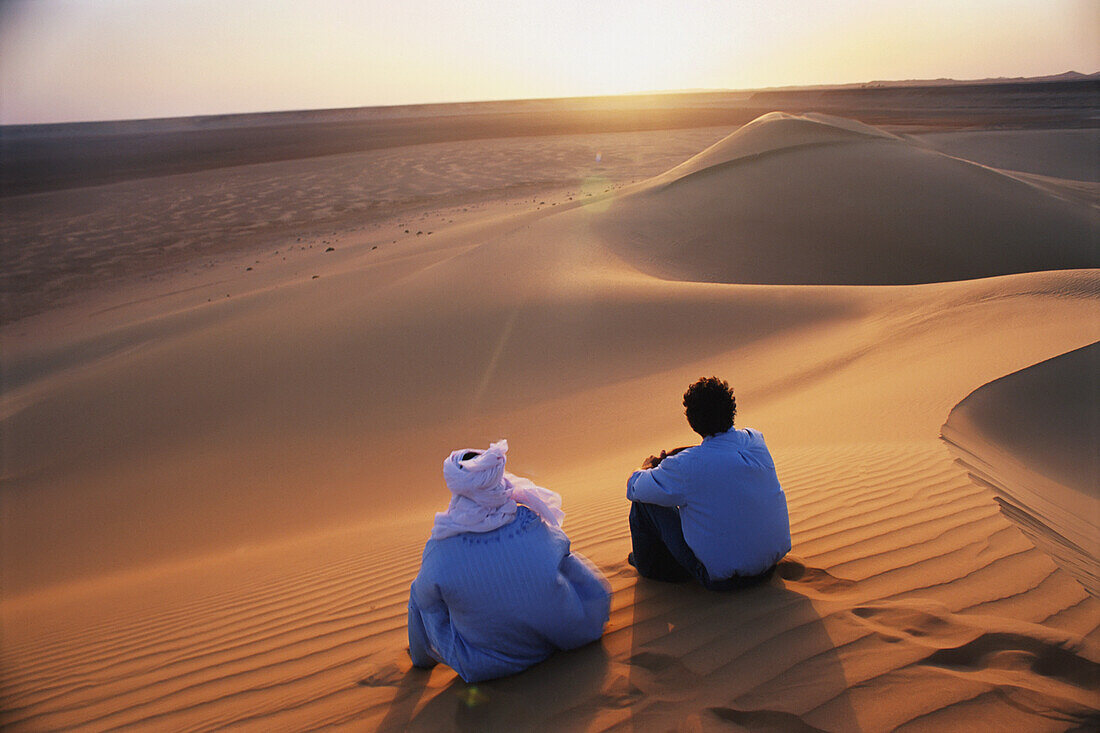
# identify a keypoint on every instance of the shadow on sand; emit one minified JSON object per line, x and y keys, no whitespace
{"x":758,"y":658}
{"x":552,"y":695}
{"x":678,"y":655}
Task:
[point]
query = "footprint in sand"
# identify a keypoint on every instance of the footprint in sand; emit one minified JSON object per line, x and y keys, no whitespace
{"x":965,"y":646}
{"x":908,"y":620}
{"x":765,"y":720}
{"x":620,"y":694}
{"x":656,"y":662}
{"x":388,"y":676}
{"x":1005,"y":650}
{"x":927,"y":625}
{"x":796,"y":571}
{"x":666,"y":671}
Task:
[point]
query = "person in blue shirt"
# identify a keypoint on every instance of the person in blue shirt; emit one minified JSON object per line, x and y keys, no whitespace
{"x":713,"y":512}
{"x":498,"y":589}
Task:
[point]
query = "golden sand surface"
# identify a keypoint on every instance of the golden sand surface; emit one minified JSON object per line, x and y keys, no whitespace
{"x":217,"y":481}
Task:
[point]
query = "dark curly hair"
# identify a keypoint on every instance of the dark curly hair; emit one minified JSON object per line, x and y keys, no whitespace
{"x":710,"y":405}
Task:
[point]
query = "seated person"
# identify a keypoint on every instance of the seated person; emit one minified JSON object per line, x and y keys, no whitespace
{"x":713,"y":512}
{"x":498,"y":588}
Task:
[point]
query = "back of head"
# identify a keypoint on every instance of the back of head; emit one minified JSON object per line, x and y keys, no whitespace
{"x":477,"y":474}
{"x":710,"y":406}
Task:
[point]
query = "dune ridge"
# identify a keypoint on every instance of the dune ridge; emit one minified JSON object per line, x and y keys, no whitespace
{"x":1032,"y":437}
{"x":264,"y":587}
{"x":809,"y":200}
{"x":770,"y":133}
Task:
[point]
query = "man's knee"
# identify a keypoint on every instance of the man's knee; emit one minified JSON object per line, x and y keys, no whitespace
{"x":640,"y":518}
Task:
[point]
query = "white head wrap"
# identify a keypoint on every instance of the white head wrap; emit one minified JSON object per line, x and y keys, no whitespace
{"x":484,"y":497}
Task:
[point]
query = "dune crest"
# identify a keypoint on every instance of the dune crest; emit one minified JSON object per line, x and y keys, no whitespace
{"x":818,"y":200}
{"x":773,"y":132}
{"x":1032,"y":439}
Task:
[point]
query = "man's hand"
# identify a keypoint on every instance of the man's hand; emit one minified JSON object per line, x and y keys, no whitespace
{"x":654,"y":461}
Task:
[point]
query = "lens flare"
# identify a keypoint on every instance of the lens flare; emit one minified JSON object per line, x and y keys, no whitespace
{"x":471,"y":697}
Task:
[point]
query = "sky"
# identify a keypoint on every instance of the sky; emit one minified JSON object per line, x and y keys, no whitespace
{"x":74,"y":60}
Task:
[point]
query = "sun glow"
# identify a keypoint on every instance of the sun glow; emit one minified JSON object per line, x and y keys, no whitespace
{"x":114,"y":59}
{"x":616,"y":48}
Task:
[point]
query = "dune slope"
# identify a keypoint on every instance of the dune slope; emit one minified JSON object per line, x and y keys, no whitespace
{"x":808,"y":200}
{"x":1033,"y":438}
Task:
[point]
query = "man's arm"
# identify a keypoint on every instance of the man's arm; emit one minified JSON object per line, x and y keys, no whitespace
{"x":423,"y":596}
{"x":419,"y":646}
{"x":664,"y":484}
{"x":654,"y":461}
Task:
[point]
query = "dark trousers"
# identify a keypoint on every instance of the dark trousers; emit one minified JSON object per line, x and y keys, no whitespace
{"x":661,"y":553}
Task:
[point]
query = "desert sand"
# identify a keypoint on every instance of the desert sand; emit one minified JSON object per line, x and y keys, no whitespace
{"x":217,"y":480}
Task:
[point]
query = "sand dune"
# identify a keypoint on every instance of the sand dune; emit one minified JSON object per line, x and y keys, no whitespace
{"x":804,"y":200}
{"x":212,"y":511}
{"x":770,"y":133}
{"x":1032,"y":437}
{"x":1073,"y":154}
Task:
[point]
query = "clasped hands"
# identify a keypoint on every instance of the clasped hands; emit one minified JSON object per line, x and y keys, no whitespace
{"x":654,"y":461}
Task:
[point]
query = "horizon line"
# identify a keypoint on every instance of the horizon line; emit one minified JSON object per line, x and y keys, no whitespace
{"x":1070,"y":75}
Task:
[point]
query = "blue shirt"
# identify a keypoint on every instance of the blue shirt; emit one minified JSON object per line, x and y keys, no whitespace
{"x":494,"y":603}
{"x":732,"y":508}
